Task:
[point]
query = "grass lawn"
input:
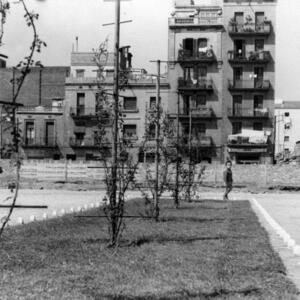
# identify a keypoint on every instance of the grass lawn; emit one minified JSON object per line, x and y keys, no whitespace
{"x":205,"y":250}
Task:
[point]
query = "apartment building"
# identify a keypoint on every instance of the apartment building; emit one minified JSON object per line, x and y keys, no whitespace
{"x":40,"y":119}
{"x":221,"y":67}
{"x":136,"y":96}
{"x":287,"y":129}
{"x":249,"y":79}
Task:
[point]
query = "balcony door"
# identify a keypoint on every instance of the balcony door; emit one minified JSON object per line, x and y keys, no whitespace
{"x":200,"y":101}
{"x":259,"y":18}
{"x":258,"y":77}
{"x":202,"y":75}
{"x":186,"y":104}
{"x":80,"y":104}
{"x":50,"y":133}
{"x":237,"y":103}
{"x":237,"y":76}
{"x":189,"y":73}
{"x":239,"y":17}
{"x":188,"y":46}
{"x":202,"y":47}
{"x":239,"y":48}
{"x":29,"y":133}
{"x":258,"y":104}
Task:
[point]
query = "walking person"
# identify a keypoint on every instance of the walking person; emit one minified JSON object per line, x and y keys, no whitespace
{"x":227,"y":176}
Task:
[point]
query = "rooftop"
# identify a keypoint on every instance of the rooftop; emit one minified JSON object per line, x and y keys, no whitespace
{"x":288,"y":105}
{"x":87,"y":59}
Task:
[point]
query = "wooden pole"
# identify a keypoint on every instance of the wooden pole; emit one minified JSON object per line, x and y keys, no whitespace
{"x":157,"y":137}
{"x":190,"y":148}
{"x":115,"y":131}
{"x":177,"y":156}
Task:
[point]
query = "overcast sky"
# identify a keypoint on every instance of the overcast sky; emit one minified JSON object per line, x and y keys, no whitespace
{"x":62,"y":20}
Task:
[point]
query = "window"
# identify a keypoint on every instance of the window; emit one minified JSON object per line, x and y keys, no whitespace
{"x":189,"y":73}
{"x":202,"y":72}
{"x":80,"y":104}
{"x":237,"y":105}
{"x":259,"y":45}
{"x":200,"y":100}
{"x":130,"y":103}
{"x":239,"y":18}
{"x":79,"y":138}
{"x":236,"y":127}
{"x":202,"y":46}
{"x":152,"y":128}
{"x":258,"y":126}
{"x":188,"y":45}
{"x":129,"y":131}
{"x":286,"y":138}
{"x":286,"y":114}
{"x":29,"y":133}
{"x":259,"y":18}
{"x":153,"y":102}
{"x":239,"y":48}
{"x":80,"y":73}
{"x":237,"y":74}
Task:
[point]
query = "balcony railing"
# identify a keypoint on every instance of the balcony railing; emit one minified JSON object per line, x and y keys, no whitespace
{"x":258,"y":84}
{"x":85,"y":142}
{"x":200,"y":140}
{"x":194,"y":112}
{"x":181,"y":21}
{"x":37,"y":142}
{"x":248,"y":113}
{"x":249,"y":57}
{"x":132,"y":79}
{"x":40,"y":109}
{"x":195,"y":84}
{"x":188,"y":56}
{"x":250,"y":29}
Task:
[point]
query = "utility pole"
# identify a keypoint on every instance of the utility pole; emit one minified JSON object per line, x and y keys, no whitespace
{"x":190,"y":148}
{"x":177,"y":157}
{"x":157,"y":138}
{"x":113,"y":198}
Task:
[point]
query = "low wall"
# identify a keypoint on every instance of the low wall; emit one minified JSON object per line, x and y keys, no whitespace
{"x":258,"y":175}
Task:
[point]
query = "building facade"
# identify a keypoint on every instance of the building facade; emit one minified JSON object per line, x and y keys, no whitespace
{"x":40,"y":118}
{"x":136,"y":97}
{"x":221,"y":57}
{"x":287,"y":120}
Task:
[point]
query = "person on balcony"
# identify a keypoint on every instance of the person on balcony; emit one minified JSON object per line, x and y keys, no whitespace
{"x":228,"y":180}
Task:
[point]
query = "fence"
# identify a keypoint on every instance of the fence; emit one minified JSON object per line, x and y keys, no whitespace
{"x":249,"y":175}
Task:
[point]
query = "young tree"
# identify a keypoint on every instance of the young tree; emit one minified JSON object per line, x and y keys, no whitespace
{"x":19,"y":74}
{"x":166,"y":148}
{"x":127,"y":163}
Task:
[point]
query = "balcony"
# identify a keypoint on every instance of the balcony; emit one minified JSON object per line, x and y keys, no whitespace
{"x":181,"y":22}
{"x":187,"y":56}
{"x":201,"y":112}
{"x":83,"y":143}
{"x":200,"y":140}
{"x":195,"y":84}
{"x":252,"y":57}
{"x":131,"y":79}
{"x":40,"y":142}
{"x":254,"y":113}
{"x":40,"y":110}
{"x":250,"y":29}
{"x":258,"y":85}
